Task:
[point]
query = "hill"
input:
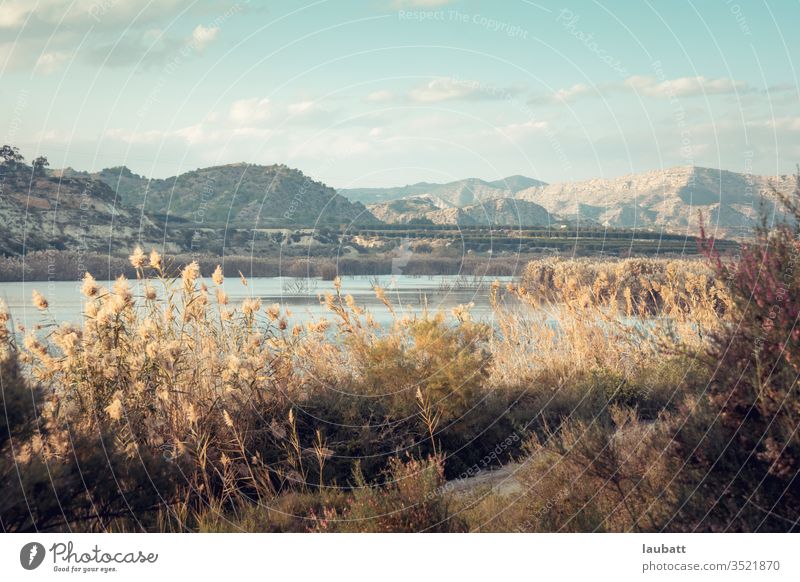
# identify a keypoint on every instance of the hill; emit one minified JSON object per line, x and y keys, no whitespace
{"x":70,"y":213}
{"x":239,"y":195}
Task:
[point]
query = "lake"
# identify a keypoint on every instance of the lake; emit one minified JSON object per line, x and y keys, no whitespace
{"x":299,"y":294}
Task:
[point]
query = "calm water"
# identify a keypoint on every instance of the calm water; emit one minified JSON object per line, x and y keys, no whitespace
{"x":300,"y":295}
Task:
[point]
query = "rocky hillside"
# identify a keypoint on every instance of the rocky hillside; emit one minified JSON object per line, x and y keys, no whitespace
{"x":239,"y":195}
{"x":671,"y":198}
{"x":496,"y":212}
{"x":414,"y":209}
{"x":78,"y":214}
{"x":452,"y":194}
{"x":493,"y":212}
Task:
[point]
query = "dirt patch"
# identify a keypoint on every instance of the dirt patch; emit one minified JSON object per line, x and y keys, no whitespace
{"x":502,"y":481}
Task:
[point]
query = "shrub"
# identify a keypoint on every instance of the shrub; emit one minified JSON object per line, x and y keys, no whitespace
{"x":609,"y":474}
{"x":57,"y":477}
{"x":742,"y":444}
{"x":411,"y":500}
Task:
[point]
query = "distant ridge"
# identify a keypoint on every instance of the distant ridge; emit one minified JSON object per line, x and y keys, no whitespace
{"x":457,"y":193}
{"x":493,"y":212}
{"x":672,"y":199}
{"x":248,"y":195}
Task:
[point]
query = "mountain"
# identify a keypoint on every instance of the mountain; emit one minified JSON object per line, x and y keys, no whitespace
{"x":240,"y":195}
{"x":75,"y":213}
{"x":670,"y":199}
{"x":458,"y":193}
{"x":493,"y":212}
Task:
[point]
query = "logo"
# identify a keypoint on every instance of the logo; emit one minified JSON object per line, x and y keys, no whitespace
{"x":31,"y":555}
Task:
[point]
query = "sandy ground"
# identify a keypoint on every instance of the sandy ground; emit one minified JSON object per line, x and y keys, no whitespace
{"x":501,"y":480}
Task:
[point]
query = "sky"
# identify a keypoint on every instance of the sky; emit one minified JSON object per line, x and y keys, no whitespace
{"x":360,"y":93}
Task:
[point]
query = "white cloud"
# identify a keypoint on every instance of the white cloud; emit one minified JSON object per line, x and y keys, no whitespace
{"x":191,"y":134}
{"x":53,"y":136}
{"x":136,"y":137}
{"x":251,"y":110}
{"x":648,"y":86}
{"x":525,"y":128}
{"x":14,"y":13}
{"x":685,"y":86}
{"x":300,"y":107}
{"x":778,"y":123}
{"x":444,"y":89}
{"x":152,"y":47}
{"x":102,"y":14}
{"x":111,"y":32}
{"x":203,"y":36}
{"x":35,"y":55}
{"x":51,"y":62}
{"x":380,"y":96}
{"x":570,"y":93}
{"x":198,"y":133}
{"x":450,"y":89}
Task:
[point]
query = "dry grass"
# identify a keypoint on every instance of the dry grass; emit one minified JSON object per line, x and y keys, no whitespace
{"x":618,"y":316}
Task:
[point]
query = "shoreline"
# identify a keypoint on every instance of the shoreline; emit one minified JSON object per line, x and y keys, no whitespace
{"x":55,"y":265}
{"x":43,"y":266}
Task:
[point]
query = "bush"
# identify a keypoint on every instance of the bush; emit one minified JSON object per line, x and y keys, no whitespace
{"x":411,"y":500}
{"x":55,"y":477}
{"x":610,"y":474}
{"x":742,"y":444}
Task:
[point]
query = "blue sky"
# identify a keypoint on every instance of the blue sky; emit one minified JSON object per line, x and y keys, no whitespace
{"x":386,"y":92}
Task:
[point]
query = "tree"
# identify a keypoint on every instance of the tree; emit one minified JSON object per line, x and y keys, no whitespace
{"x":10,"y":155}
{"x":39,"y":165}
